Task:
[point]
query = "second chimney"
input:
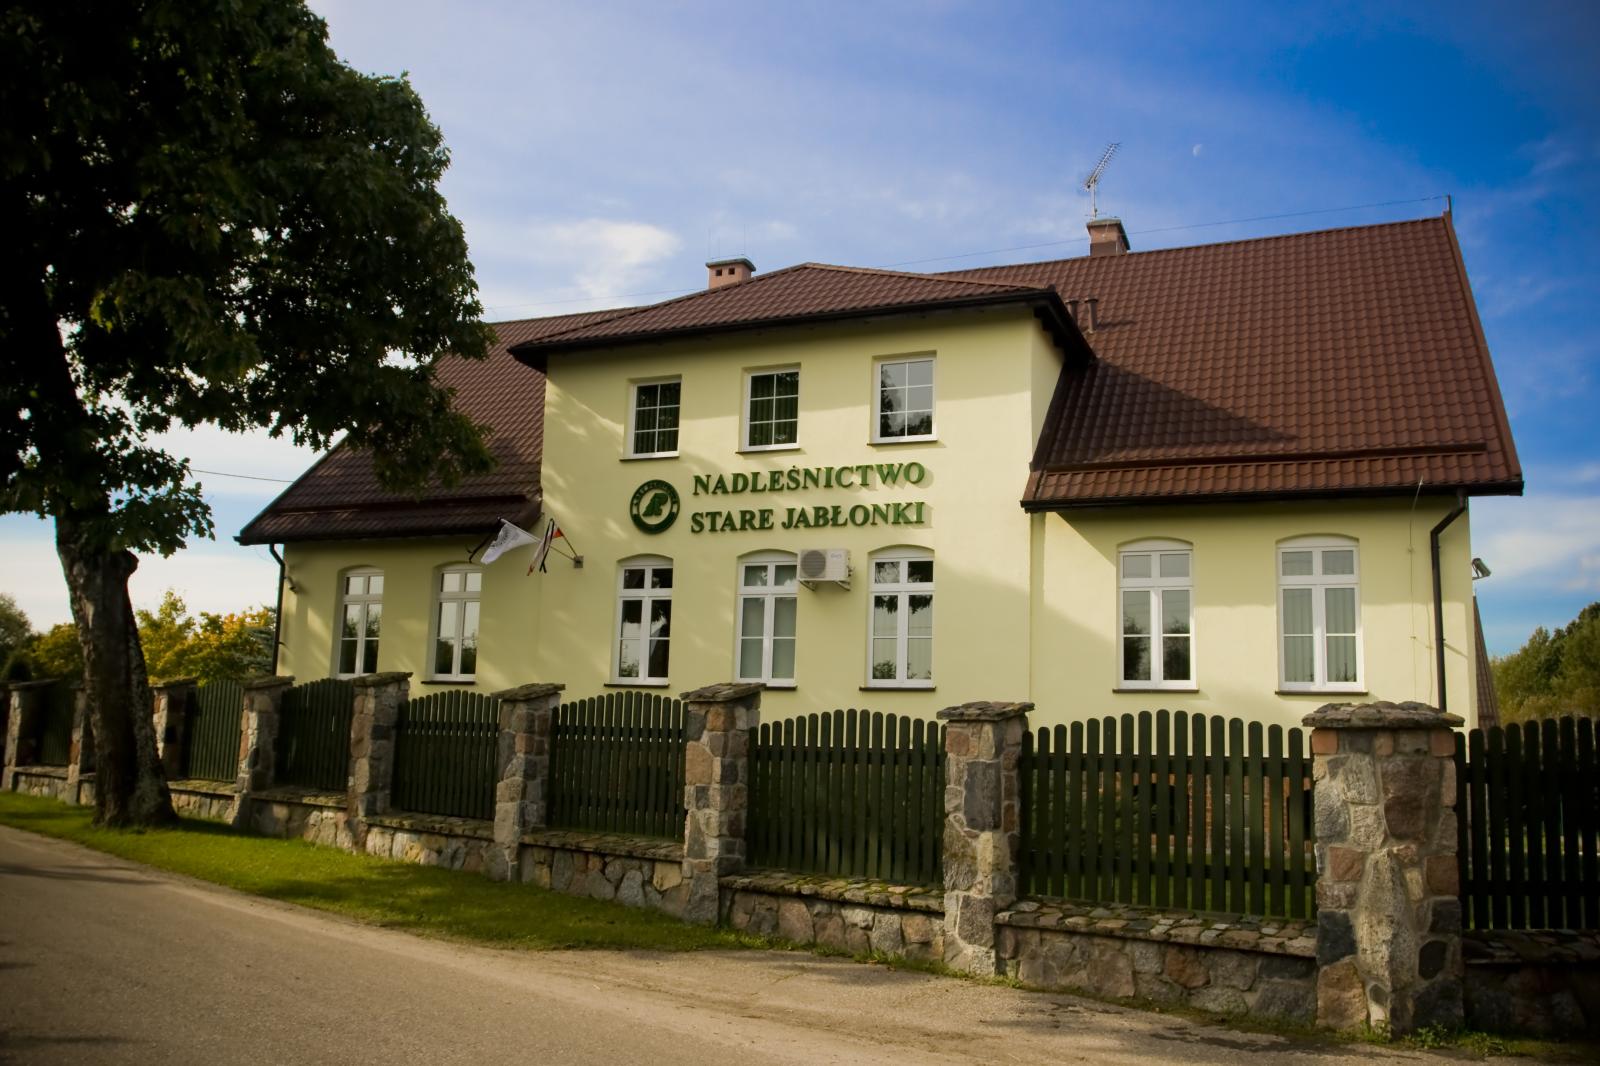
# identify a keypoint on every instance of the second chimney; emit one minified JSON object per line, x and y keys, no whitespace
{"x":720,"y":272}
{"x":1107,"y":237}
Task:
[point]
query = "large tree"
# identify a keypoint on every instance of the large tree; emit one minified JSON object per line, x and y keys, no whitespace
{"x":208,"y":218}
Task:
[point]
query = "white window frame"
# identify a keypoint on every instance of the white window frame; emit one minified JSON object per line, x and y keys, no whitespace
{"x":366,"y":600}
{"x":1320,"y":583}
{"x":744,"y":410}
{"x":461,"y":599}
{"x":903,"y":589}
{"x":633,"y":415}
{"x":1157,"y":587}
{"x":769,"y":594}
{"x":877,"y":397}
{"x":648,"y":597}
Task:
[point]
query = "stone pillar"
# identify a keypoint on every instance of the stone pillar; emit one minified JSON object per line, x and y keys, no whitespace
{"x":522,"y":794}
{"x":258,"y":741}
{"x":28,"y":701}
{"x":80,"y":754}
{"x":377,"y":707}
{"x":1389,"y":916}
{"x":982,"y":827}
{"x":173,"y":704}
{"x":718,"y":723}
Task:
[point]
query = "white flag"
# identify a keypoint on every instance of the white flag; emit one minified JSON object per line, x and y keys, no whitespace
{"x":509,"y":537}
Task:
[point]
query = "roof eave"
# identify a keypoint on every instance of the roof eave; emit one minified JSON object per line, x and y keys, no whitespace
{"x":1046,"y":302}
{"x":1033,"y":505}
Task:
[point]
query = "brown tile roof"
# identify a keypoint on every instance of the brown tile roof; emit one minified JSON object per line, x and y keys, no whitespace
{"x":1338,"y":362}
{"x":339,"y":497}
{"x":809,"y":291}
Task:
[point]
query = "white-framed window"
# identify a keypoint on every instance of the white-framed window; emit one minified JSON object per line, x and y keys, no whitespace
{"x":644,"y":620}
{"x":1155,"y":592}
{"x":900,"y":633}
{"x":771,"y":409}
{"x":766,"y":619}
{"x":1319,"y":615}
{"x":902,"y":406}
{"x":653,"y":418}
{"x":457,"y":590}
{"x":360,"y":622}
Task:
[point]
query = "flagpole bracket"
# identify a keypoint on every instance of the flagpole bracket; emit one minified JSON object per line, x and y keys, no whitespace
{"x":577,"y":562}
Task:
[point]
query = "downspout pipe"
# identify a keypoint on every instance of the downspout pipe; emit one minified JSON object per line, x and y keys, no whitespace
{"x":277,"y":613}
{"x":1438,"y":594}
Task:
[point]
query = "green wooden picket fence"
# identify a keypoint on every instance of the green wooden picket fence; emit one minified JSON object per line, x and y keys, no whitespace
{"x":55,"y":724}
{"x":1170,"y":810}
{"x":313,"y":747}
{"x":1528,"y":825}
{"x":616,"y":765}
{"x":446,"y":755}
{"x":213,"y":749}
{"x":849,"y":794}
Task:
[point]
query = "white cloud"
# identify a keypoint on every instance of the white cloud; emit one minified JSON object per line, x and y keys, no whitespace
{"x":1541,"y":542}
{"x":220,"y":580}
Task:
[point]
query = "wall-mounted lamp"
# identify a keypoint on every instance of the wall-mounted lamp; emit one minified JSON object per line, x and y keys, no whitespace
{"x":1480,"y":569}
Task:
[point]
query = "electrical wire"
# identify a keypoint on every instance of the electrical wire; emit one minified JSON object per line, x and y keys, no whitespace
{"x":246,"y":477}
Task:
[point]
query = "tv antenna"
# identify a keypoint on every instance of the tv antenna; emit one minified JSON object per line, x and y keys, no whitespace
{"x":1092,"y":182}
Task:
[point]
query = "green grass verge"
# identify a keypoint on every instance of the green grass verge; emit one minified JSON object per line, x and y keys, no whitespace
{"x":395,"y":895}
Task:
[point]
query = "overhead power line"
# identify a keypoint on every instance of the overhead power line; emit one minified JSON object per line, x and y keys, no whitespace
{"x":246,"y":477}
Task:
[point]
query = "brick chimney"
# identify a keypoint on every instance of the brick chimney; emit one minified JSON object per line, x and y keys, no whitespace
{"x":720,"y":272}
{"x":1107,"y":237}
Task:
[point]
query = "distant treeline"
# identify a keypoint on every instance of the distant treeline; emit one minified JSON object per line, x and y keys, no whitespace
{"x":1553,"y":673}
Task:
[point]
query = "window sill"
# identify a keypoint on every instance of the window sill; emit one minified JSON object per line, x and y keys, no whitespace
{"x":1156,"y":688}
{"x":641,"y":458}
{"x":904,"y":440}
{"x":757,"y":449}
{"x":637,"y":684}
{"x":897,"y":688}
{"x":458,"y":681}
{"x":782,"y":686}
{"x":1322,"y":692}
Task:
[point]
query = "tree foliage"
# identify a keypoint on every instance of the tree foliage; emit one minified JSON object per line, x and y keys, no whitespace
{"x":209,"y":219}
{"x":1553,"y":673}
{"x":213,"y":647}
{"x":15,"y":629}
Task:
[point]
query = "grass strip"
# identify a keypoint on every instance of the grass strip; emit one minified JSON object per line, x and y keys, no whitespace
{"x":395,"y":895}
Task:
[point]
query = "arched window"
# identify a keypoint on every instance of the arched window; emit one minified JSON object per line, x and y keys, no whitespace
{"x":360,"y":622}
{"x":1319,"y":615}
{"x":766,"y":618}
{"x":644,"y":620}
{"x":456,"y":590}
{"x":1156,"y":607}
{"x":900,"y":634}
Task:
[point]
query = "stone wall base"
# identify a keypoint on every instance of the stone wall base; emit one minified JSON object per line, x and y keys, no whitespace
{"x":1231,"y":966}
{"x":209,"y":801}
{"x":854,"y":916}
{"x":319,"y":818}
{"x":453,"y":843}
{"x":635,"y":871}
{"x":50,"y":782}
{"x":1541,"y":983}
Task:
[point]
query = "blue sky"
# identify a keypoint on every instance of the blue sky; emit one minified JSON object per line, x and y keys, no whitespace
{"x":602,"y":152}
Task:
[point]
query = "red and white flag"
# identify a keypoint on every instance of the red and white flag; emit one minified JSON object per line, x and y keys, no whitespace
{"x":551,"y":532}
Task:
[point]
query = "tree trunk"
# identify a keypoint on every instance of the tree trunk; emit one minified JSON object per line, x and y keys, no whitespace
{"x":129,"y":788}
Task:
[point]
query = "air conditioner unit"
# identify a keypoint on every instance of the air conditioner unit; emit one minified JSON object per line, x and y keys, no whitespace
{"x":825,"y":564}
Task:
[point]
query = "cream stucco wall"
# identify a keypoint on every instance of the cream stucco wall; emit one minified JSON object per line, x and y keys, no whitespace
{"x":1025,"y":606}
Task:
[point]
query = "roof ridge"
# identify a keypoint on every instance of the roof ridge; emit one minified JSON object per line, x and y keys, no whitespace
{"x":1195,"y":247}
{"x":910,"y":274}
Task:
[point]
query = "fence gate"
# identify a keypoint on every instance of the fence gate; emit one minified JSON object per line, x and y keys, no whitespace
{"x":313,"y":748}
{"x":445,"y":751}
{"x":213,"y":749}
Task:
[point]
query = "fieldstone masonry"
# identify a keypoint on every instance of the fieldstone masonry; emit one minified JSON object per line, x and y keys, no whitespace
{"x":80,"y":753}
{"x":521,"y":797}
{"x":22,"y":728}
{"x":377,"y":707}
{"x":718,"y":723}
{"x":258,"y":736}
{"x":1389,"y":920}
{"x":982,"y":827}
{"x":173,"y":702}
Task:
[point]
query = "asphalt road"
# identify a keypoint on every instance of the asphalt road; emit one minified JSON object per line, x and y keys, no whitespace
{"x":102,"y":961}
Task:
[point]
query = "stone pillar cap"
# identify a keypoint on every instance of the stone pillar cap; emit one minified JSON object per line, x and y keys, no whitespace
{"x":530,"y":692}
{"x":723,"y":692}
{"x":1380,"y":715}
{"x":269,"y":681}
{"x":390,"y":677}
{"x":25,"y":685}
{"x":984,"y":711}
{"x":174,"y":682}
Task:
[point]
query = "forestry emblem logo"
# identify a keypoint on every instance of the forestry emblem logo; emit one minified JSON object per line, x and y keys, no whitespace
{"x":654,"y":506}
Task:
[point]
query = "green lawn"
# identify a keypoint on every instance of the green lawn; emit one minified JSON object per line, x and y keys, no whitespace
{"x":417,"y":899}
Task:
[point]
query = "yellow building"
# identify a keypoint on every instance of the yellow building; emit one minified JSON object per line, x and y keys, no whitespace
{"x":1226,"y":478}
